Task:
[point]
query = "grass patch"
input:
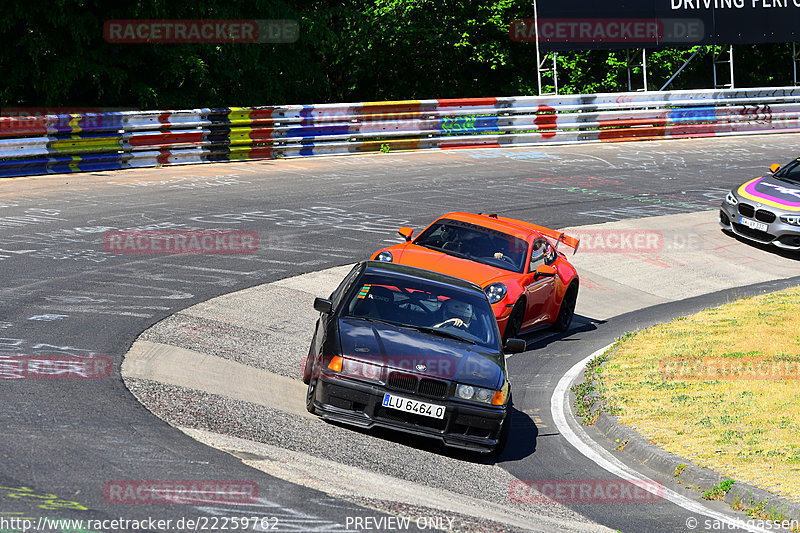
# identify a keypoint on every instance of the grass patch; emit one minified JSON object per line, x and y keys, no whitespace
{"x":590,"y":399}
{"x":719,"y":490}
{"x":762,"y":512}
{"x":718,"y":388}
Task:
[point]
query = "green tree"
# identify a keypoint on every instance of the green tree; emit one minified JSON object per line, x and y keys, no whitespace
{"x":349,"y":50}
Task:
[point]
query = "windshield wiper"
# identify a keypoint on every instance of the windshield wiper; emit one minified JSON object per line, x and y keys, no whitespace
{"x":444,"y":251}
{"x":378,"y":320}
{"x":442,"y":333}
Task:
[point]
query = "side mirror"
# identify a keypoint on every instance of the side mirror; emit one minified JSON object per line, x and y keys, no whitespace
{"x":323,"y":306}
{"x":774,"y":167}
{"x":514,"y":346}
{"x":406,"y":232}
{"x":544,"y":271}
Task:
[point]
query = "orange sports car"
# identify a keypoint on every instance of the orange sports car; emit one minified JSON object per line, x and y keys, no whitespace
{"x":529,"y":282}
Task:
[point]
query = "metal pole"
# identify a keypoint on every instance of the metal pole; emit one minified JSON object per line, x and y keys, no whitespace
{"x":538,"y":55}
{"x":714,"y":65}
{"x":555,"y":72}
{"x":644,"y":67}
{"x":683,"y":67}
{"x":628,"y":68}
{"x":794,"y":63}
{"x":730,"y":60}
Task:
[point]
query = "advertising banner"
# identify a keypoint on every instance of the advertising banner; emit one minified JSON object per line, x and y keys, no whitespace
{"x":588,"y":24}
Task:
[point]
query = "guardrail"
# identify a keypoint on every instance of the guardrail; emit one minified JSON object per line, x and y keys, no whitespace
{"x":133,"y":139}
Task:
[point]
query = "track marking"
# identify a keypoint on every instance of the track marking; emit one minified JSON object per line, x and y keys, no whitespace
{"x":220,"y":270}
{"x":559,"y":405}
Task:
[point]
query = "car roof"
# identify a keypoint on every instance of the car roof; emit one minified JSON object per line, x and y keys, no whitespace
{"x":398,"y":270}
{"x":516,"y":228}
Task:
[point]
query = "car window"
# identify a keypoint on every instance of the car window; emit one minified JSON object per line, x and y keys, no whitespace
{"x":541,"y":253}
{"x":476,"y":243}
{"x":344,"y":286}
{"x":791,"y":172}
{"x":419,"y":303}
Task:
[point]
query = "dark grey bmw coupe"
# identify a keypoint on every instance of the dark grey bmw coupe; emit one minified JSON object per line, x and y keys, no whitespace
{"x":411,"y":350}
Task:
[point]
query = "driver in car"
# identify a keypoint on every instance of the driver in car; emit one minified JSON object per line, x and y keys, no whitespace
{"x":460,"y":314}
{"x":509,"y":250}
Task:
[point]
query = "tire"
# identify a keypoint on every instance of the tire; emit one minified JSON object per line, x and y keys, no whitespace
{"x":514,"y":321}
{"x":310,"y":393}
{"x":505,"y":431}
{"x":307,"y":367}
{"x":567,"y":310}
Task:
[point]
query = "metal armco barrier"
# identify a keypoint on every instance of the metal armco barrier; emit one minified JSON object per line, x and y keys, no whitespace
{"x":132,"y":139}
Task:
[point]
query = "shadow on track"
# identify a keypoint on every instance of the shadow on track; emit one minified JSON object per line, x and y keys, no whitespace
{"x":541,"y":339}
{"x":771,"y":248}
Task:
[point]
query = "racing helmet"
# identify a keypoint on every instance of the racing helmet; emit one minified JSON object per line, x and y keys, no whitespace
{"x":454,"y":308}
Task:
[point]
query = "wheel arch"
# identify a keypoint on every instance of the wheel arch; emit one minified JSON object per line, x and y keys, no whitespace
{"x":574,"y":282}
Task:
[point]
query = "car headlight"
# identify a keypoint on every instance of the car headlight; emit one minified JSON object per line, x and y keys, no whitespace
{"x":495,"y":292}
{"x":359,"y":369}
{"x":794,"y":220}
{"x":385,"y":256}
{"x":477,"y":394}
{"x":731,"y":198}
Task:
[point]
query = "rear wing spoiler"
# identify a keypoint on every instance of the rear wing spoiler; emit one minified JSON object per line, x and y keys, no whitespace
{"x":559,"y":237}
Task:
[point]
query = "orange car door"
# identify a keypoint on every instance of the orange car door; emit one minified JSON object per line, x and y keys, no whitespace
{"x":538,"y":292}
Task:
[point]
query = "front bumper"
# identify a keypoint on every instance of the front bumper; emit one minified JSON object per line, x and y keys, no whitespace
{"x":777,"y":233}
{"x":468,"y":427}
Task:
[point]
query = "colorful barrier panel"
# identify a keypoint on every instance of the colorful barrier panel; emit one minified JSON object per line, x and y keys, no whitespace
{"x":82,"y":142}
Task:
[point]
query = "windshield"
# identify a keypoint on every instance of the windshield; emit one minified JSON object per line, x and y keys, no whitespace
{"x":790,"y":172}
{"x":428,"y":307}
{"x":476,"y":243}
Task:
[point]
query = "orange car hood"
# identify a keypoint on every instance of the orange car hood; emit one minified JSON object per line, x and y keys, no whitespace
{"x":483,"y":275}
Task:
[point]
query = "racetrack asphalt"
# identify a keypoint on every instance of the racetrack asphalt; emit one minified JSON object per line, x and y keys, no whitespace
{"x":240,"y":332}
{"x":64,"y":294}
